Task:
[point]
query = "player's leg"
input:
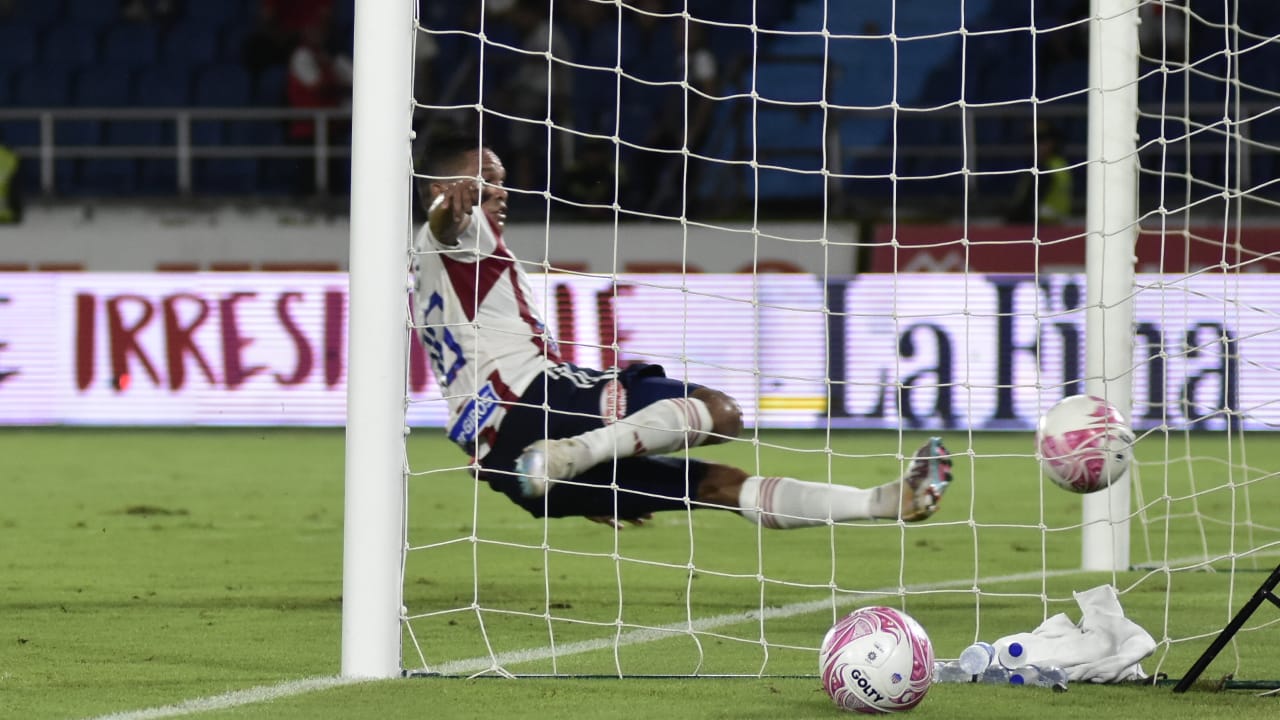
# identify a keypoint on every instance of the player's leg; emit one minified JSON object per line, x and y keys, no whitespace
{"x":658,"y":415}
{"x":570,"y":404}
{"x":782,"y":502}
{"x":625,"y":490}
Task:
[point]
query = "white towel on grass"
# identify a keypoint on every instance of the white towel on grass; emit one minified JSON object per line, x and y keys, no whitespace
{"x":1104,"y":647}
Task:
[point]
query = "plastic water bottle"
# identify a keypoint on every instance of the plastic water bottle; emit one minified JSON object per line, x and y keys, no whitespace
{"x":976,"y":658}
{"x":950,"y":672}
{"x":1013,"y":655}
{"x":1053,"y":677}
{"x":997,"y":674}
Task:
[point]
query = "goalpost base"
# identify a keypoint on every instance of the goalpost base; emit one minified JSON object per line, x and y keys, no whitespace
{"x":1265,"y":592}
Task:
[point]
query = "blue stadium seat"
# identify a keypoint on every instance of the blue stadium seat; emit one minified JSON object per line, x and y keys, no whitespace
{"x":72,"y":44}
{"x":865,"y":130}
{"x":1260,"y":68}
{"x":1064,"y":79}
{"x":190,"y":43}
{"x":231,"y":44}
{"x":843,"y":19}
{"x":727,"y":12}
{"x":155,"y":176}
{"x":791,"y":82}
{"x":862,"y":72}
{"x":66,"y":177}
{"x":67,"y":171}
{"x":783,"y":128}
{"x":255,"y":132}
{"x":17,"y":45}
{"x":42,"y":86}
{"x":929,"y":18}
{"x":221,"y":176}
{"x":101,"y":86}
{"x":109,"y":176}
{"x":97,"y":12}
{"x":226,"y":176}
{"x":344,"y":11}
{"x":6,"y":86}
{"x":998,"y":68}
{"x":78,"y":132}
{"x":208,"y":132}
{"x":344,"y":14}
{"x":223,"y":86}
{"x":269,"y":88}
{"x":130,"y":46}
{"x":163,"y":86}
{"x":37,"y":14}
{"x":594,"y":100}
{"x":789,"y":138}
{"x":813,"y":46}
{"x":140,"y":132}
{"x":215,"y":14}
{"x":597,"y":47}
{"x":782,"y":184}
{"x":21,"y":133}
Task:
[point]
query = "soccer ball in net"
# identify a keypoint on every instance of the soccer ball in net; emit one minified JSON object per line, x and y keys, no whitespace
{"x":1084,"y":443}
{"x":876,"y":660}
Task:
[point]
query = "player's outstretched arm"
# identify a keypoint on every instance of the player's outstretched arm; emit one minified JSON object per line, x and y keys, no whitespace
{"x":450,"y":214}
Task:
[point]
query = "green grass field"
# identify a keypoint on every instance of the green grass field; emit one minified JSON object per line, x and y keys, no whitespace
{"x":144,"y":568}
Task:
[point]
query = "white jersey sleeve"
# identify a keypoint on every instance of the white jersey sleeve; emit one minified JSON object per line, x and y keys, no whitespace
{"x":475,"y":313}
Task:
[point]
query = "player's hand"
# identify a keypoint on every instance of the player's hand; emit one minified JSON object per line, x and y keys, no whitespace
{"x":617,"y":523}
{"x":451,"y":216}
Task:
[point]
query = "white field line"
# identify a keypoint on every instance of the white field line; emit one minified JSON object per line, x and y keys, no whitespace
{"x":262,"y":693}
{"x":499,"y":661}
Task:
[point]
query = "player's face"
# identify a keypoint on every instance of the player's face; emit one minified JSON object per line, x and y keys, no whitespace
{"x":493,"y":196}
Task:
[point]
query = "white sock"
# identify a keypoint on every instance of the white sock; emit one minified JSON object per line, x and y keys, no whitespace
{"x":663,"y":427}
{"x":783,"y":503}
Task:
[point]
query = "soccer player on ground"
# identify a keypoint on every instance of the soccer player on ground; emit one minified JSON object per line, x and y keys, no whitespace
{"x":498,"y":369}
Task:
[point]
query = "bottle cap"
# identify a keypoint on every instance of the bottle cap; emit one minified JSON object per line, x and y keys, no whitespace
{"x":1015,"y":649}
{"x":1017,"y":679}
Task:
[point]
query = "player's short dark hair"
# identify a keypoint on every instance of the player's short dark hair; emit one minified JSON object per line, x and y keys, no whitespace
{"x":437,"y":153}
{"x":441,"y":151}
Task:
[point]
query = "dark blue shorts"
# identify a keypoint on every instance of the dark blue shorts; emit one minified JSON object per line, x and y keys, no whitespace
{"x":579,"y":400}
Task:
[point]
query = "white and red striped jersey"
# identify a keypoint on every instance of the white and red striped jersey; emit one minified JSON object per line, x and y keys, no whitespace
{"x":475,"y":313}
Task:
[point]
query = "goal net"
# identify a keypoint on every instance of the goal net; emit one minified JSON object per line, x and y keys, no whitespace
{"x":870,"y":223}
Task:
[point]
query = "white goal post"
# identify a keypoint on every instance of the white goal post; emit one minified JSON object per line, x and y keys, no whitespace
{"x":1123,"y":532}
{"x":381,"y":172}
{"x":1111,"y":219}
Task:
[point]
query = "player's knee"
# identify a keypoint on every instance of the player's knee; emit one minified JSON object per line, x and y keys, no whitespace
{"x":721,"y":486}
{"x":726,"y":416}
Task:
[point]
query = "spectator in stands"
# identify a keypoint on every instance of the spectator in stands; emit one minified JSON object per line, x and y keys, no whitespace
{"x":10,"y":190}
{"x":1068,"y":41}
{"x":592,"y":178}
{"x":277,"y":29}
{"x":1162,"y":32}
{"x":529,"y":91}
{"x":318,"y":77}
{"x":1047,"y":195}
{"x":425,"y":50}
{"x":683,"y":121}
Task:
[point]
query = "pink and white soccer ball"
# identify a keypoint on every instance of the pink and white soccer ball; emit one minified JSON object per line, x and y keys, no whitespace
{"x":1085,"y":443}
{"x":876,"y":660}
